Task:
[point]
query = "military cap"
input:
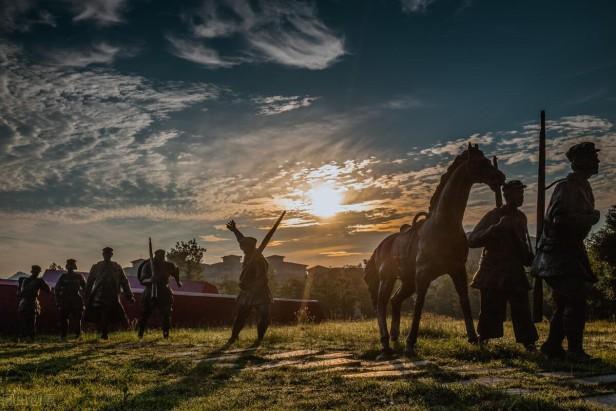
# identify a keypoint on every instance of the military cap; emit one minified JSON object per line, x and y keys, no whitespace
{"x":513,"y":185}
{"x":160,"y":251}
{"x":71,"y":261}
{"x":107,"y":250}
{"x":250,"y":242}
{"x":581,"y":150}
{"x":36,"y":268}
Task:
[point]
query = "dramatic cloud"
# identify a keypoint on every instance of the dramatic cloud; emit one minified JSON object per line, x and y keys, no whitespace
{"x":287,"y":33}
{"x":268,"y":106}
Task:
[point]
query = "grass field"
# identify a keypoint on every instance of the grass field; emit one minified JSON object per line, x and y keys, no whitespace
{"x":125,"y":373}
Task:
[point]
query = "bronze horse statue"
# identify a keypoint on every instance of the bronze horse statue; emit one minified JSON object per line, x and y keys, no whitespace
{"x":429,"y":248}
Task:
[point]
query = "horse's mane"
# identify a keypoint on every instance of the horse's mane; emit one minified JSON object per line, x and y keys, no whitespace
{"x":445,"y":177}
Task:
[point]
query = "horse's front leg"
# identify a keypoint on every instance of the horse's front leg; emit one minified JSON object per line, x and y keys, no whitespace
{"x":385,"y":288}
{"x":423,"y":282}
{"x":460,"y":283}
{"x":406,"y":289}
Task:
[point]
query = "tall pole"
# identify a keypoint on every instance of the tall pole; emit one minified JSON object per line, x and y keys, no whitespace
{"x":538,"y":289}
{"x":498,"y":195}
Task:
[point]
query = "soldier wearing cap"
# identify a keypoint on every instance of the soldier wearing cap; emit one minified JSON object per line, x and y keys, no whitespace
{"x":28,"y":308}
{"x":561,"y":258}
{"x":254,"y":289}
{"x":105,"y":281}
{"x":501,"y":277}
{"x":157,"y":293}
{"x":68,"y":291}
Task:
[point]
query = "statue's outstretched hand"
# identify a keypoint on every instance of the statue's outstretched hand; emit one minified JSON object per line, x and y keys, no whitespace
{"x":231,"y":225}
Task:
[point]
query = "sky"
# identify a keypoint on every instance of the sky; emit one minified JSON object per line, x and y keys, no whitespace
{"x":127,"y":119}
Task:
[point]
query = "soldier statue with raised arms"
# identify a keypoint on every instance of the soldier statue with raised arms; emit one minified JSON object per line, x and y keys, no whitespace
{"x":254,"y":289}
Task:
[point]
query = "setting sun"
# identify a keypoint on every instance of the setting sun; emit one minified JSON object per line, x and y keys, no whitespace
{"x":325,"y":201}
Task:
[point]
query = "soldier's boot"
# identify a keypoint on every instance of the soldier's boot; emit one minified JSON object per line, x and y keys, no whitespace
{"x":166,"y":325}
{"x":574,"y":329}
{"x":141,"y":329}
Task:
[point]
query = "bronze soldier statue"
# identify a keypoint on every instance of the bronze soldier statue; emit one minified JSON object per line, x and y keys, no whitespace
{"x":28,"y":308}
{"x":254,"y":290}
{"x":105,"y":281}
{"x":69,"y":290}
{"x":501,"y":277}
{"x":561,"y":258}
{"x":162,"y":298}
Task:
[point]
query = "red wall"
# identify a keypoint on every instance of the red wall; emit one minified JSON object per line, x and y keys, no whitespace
{"x":191,"y":309}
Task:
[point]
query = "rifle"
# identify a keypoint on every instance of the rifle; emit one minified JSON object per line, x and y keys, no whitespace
{"x":265,"y":241}
{"x":498,"y":195}
{"x":153,"y":271}
{"x":538,"y":287}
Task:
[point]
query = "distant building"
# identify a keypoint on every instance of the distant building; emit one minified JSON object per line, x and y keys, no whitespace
{"x":231,"y":266}
{"x":18,"y":275}
{"x":132,"y":270}
{"x":228,"y":269}
{"x":284,"y":270}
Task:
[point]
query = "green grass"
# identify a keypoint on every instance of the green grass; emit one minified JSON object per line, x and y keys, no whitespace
{"x":125,"y":373}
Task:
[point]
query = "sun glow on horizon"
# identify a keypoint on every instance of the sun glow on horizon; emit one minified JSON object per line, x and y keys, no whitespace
{"x":325,"y":201}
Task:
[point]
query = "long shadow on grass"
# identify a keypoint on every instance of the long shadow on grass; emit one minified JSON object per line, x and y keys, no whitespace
{"x":26,"y":372}
{"x":202,"y":380}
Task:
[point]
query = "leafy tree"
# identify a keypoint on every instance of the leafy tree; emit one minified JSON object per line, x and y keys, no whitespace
{"x":54,"y":266}
{"x":187,"y":255}
{"x":602,"y":253}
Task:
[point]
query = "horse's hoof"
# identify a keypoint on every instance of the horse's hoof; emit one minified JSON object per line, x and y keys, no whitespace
{"x":473,"y":340}
{"x":385,"y":355}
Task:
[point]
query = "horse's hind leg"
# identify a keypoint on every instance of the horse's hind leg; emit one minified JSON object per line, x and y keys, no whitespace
{"x":460,"y":283}
{"x":406,"y":289}
{"x":385,"y":288}
{"x":423,"y":283}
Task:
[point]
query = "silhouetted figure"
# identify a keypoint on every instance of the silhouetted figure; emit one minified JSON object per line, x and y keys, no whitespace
{"x":429,"y":249}
{"x":501,"y":278}
{"x":561,"y":258}
{"x":69,"y":290}
{"x":162,"y":299}
{"x":254,"y":290}
{"x":28,"y":307}
{"x":105,"y":281}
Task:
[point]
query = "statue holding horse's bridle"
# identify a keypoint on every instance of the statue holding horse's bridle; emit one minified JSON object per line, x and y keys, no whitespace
{"x":430,"y":247}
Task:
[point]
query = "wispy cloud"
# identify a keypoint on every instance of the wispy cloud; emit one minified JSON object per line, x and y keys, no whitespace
{"x":288,"y":33}
{"x":100,"y":53}
{"x":18,"y":15}
{"x":102,"y":12}
{"x":268,"y":106}
{"x":415,"y":6}
{"x":196,"y":52}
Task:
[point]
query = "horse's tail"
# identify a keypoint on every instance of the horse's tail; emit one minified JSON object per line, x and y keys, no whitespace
{"x":371,"y":277}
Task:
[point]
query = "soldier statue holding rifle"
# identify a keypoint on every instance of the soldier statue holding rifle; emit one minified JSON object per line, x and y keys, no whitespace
{"x":254,"y":290}
{"x":154,"y":274}
{"x":561,"y":258}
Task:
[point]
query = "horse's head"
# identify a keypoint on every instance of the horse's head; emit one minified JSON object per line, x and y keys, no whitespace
{"x":482,"y":170}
